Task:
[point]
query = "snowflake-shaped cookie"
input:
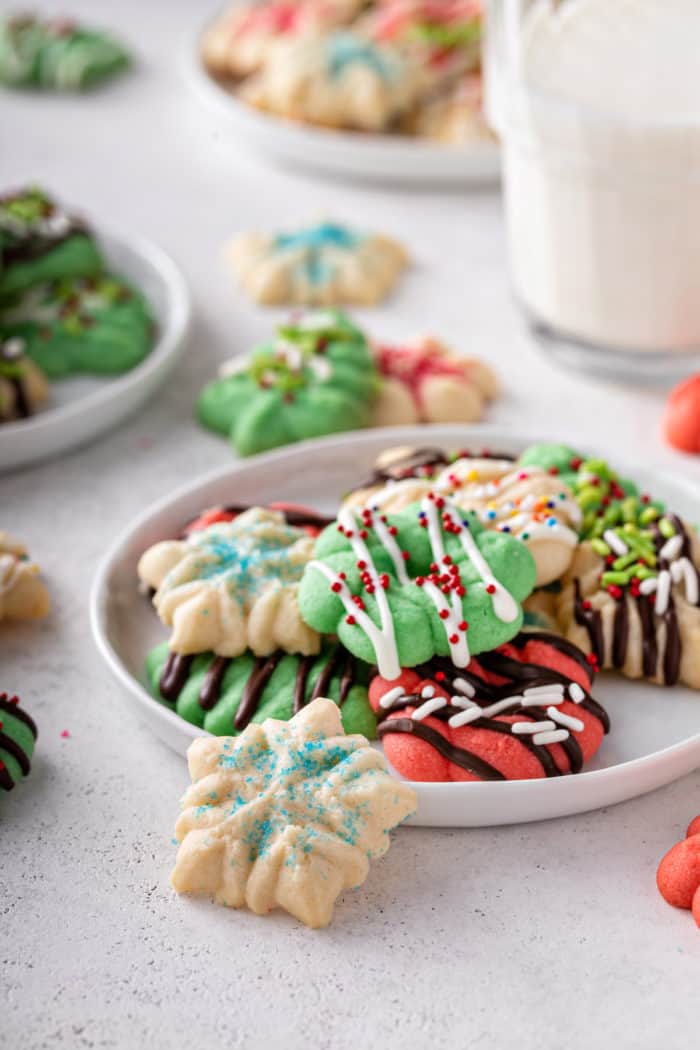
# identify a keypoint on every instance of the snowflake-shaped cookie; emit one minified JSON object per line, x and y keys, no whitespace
{"x":233,"y":586}
{"x":398,"y":589}
{"x":319,"y":265}
{"x":288,"y":814}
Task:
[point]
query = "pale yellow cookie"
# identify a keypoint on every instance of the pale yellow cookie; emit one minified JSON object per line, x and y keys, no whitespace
{"x":23,"y":596}
{"x":286,"y":815}
{"x":324,"y":264}
{"x":233,"y":586}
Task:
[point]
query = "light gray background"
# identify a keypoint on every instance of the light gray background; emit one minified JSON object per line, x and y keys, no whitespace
{"x":537,"y":937}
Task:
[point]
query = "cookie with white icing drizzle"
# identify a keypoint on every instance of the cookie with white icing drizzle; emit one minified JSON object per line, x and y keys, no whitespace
{"x":399,"y":589}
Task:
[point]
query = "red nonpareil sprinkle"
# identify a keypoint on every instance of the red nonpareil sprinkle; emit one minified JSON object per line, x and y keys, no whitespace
{"x":342,"y":575}
{"x":553,"y":471}
{"x":433,"y":566}
{"x":610,"y":559}
{"x":605,"y":501}
{"x":445,"y":588}
{"x":3,"y":696}
{"x":463,"y":625}
{"x":361,"y":564}
{"x":491,"y":589}
{"x":439,"y":676}
{"x":370,"y":588}
{"x":337,"y":587}
{"x":454,"y":570}
{"x":453,"y":639}
{"x":431,"y":495}
{"x":614,"y":591}
{"x":586,"y":605}
{"x":405,"y":555}
{"x":419,"y":581}
{"x":444,"y":614}
{"x":592,"y":659}
{"x":65,"y":734}
{"x":461,"y":591}
{"x":357,"y":600}
{"x":2,"y":764}
{"x":340,"y":528}
{"x":523,"y":476}
{"x":14,"y":699}
{"x":363,"y":534}
{"x":645,"y":497}
{"x":575,"y":463}
{"x":350,"y":619}
{"x":447,"y":560}
{"x":393,"y":531}
{"x":423,"y":523}
{"x":594,"y":481}
{"x":439,"y":503}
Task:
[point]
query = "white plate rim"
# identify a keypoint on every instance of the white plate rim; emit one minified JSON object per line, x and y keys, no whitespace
{"x":169,"y":345}
{"x":687,"y":749}
{"x":352,"y":154}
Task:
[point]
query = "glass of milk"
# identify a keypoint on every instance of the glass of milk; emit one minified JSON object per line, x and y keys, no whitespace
{"x":597,"y":103}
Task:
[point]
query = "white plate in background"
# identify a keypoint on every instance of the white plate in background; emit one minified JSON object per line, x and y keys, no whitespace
{"x":348,"y":154}
{"x":82,"y":407}
{"x":655,"y":736}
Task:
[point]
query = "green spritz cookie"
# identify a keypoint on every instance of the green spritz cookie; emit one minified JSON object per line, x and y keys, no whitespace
{"x":80,"y":325}
{"x":18,"y":735}
{"x":41,"y":242}
{"x":401,"y":588}
{"x":316,"y":377}
{"x":223,"y":695}
{"x":56,"y":53}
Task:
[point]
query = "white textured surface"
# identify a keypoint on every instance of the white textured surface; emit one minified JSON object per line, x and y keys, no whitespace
{"x":538,"y":937}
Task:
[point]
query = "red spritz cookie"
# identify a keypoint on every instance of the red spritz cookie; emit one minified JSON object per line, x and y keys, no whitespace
{"x":521,"y":712}
{"x":681,"y":422}
{"x":678,"y":876}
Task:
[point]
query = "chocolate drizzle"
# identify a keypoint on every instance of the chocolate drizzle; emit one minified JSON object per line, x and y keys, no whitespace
{"x":340,"y":662}
{"x":518,"y":675}
{"x":11,"y":746}
{"x":670,"y":647}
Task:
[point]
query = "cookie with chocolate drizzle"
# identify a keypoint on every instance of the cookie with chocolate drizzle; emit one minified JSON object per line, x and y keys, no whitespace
{"x":224,"y":695}
{"x":523,"y":711}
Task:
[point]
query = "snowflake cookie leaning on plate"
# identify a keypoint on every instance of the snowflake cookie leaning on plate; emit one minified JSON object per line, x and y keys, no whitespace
{"x":424,"y":382}
{"x":521,"y":712}
{"x":316,"y":377}
{"x":18,"y":735}
{"x":526,"y":502}
{"x":23,"y":596}
{"x":322,"y":265}
{"x":233,"y":586}
{"x":23,"y":386}
{"x":240,"y":40}
{"x":632,"y":592}
{"x":401,"y":588}
{"x":286,"y":815}
{"x":337,"y":80}
{"x":56,"y":53}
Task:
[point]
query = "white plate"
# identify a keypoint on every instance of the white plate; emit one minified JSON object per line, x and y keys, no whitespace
{"x":82,"y":407}
{"x":349,"y":154}
{"x":655,"y":735}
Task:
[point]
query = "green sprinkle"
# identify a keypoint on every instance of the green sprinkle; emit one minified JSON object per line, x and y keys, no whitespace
{"x":666,"y":528}
{"x":588,"y":497}
{"x":644,"y":573}
{"x":625,"y":561}
{"x":619,"y":578}
{"x":630,"y":508}
{"x":648,"y":515}
{"x":600,"y":547}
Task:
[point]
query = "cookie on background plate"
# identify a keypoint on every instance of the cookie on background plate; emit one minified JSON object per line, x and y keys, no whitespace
{"x":56,"y":54}
{"x":23,"y":386}
{"x":23,"y":595}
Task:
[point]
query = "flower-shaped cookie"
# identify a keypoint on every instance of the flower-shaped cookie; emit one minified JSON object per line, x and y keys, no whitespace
{"x":240,"y":40}
{"x":56,"y":53}
{"x":317,"y":377}
{"x":39,"y":241}
{"x":526,"y":502}
{"x":22,"y":594}
{"x":341,"y":79}
{"x":87,"y":324}
{"x":424,"y":382}
{"x":23,"y":387}
{"x":288,"y":815}
{"x":233,"y":586}
{"x":321,"y":265}
{"x":399,"y":589}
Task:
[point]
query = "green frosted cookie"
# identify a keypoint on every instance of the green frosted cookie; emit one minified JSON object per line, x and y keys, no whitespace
{"x":18,"y":735}
{"x":606,"y":500}
{"x":317,"y":377}
{"x":223,"y":695}
{"x":85,"y":325}
{"x":398,"y":589}
{"x":41,"y":242}
{"x":56,"y":53}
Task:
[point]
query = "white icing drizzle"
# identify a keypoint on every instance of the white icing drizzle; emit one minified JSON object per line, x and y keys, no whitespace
{"x":555,"y":736}
{"x":565,"y":720}
{"x":392,"y":548}
{"x":434,"y":704}
{"x":383,"y":638}
{"x":663,"y":592}
{"x":452,"y":605}
{"x":614,"y":542}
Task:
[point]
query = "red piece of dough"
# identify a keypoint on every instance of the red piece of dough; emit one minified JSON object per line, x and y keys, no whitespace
{"x":693,"y":827}
{"x":681,"y":422}
{"x":678,"y":877}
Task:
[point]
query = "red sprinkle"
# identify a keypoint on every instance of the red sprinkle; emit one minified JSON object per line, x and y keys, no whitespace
{"x":575,"y":463}
{"x":586,"y":605}
{"x":614,"y":591}
{"x":350,"y":619}
{"x":464,"y":626}
{"x":454,"y":638}
{"x":491,"y":589}
{"x":439,"y":676}
{"x":336,"y":587}
{"x":393,"y":530}
{"x":443,"y":614}
{"x":405,"y":555}
{"x":553,"y":471}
